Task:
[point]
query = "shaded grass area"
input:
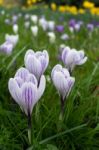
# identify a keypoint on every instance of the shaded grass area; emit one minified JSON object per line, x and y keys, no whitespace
{"x":80,"y":127}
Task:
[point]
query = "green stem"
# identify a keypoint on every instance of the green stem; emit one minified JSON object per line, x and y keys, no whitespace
{"x":30,"y":129}
{"x":62,"y":108}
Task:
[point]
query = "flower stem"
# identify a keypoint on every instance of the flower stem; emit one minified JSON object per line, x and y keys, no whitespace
{"x":30,"y":129}
{"x":62,"y":108}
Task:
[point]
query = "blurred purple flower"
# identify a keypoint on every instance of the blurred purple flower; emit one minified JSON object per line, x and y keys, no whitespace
{"x":6,"y":47}
{"x":59,"y":28}
{"x":90,"y":27}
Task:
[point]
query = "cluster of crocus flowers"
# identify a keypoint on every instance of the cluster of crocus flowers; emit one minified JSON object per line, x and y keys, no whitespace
{"x":9,"y":44}
{"x":61,"y":77}
{"x":29,"y":83}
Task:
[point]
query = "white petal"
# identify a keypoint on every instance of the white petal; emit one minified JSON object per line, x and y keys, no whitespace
{"x":64,"y":53}
{"x":29,"y":52}
{"x":58,"y":67}
{"x":32,"y":78}
{"x":82,"y":61}
{"x":60,"y":83}
{"x":22,"y":73}
{"x":14,"y":90}
{"x":34,"y":66}
{"x":41,"y":87}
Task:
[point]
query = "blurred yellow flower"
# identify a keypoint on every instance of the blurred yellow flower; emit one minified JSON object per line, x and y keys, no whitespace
{"x":67,"y":8}
{"x":53,"y":6}
{"x":81,"y":11}
{"x":73,"y":10}
{"x":95,"y":11}
{"x":1,"y":2}
{"x":29,"y":2}
{"x":88,"y":4}
{"x":34,"y":1}
{"x":61,"y":8}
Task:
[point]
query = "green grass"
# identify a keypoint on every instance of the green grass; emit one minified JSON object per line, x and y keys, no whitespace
{"x":80,"y":127}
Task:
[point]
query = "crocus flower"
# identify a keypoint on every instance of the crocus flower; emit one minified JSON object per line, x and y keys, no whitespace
{"x":15,"y":28}
{"x":24,"y":90}
{"x":59,"y":28}
{"x":60,"y":50}
{"x":43,"y":23}
{"x":72,"y":57}
{"x":63,"y":82}
{"x":51,"y":25}
{"x":34,"y":30}
{"x":7,"y":21}
{"x":74,"y":25}
{"x":36,"y":62}
{"x":12,"y":39}
{"x":51,"y":36}
{"x":27,"y":24}
{"x":6,"y":48}
{"x":27,"y":17}
{"x":90,"y":27}
{"x":34,"y":19}
{"x":64,"y":36}
{"x":14,"y":19}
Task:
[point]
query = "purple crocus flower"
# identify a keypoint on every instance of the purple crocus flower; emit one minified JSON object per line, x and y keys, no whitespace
{"x":36,"y":62}
{"x":59,"y":28}
{"x":25,"y":90}
{"x":72,"y":23}
{"x":72,"y":57}
{"x":6,"y":47}
{"x":63,"y":82}
{"x":90,"y":26}
{"x":75,"y":25}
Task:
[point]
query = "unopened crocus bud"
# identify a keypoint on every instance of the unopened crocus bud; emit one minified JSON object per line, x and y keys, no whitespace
{"x":62,"y":80}
{"x":64,"y":36}
{"x":34,"y":19}
{"x":72,"y":57}
{"x":43,"y":23}
{"x":34,"y":30}
{"x":27,"y":24}
{"x":63,"y":83}
{"x":15,"y":28}
{"x":36,"y":62}
{"x":51,"y":36}
{"x":51,"y":25}
{"x":25,"y":90}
